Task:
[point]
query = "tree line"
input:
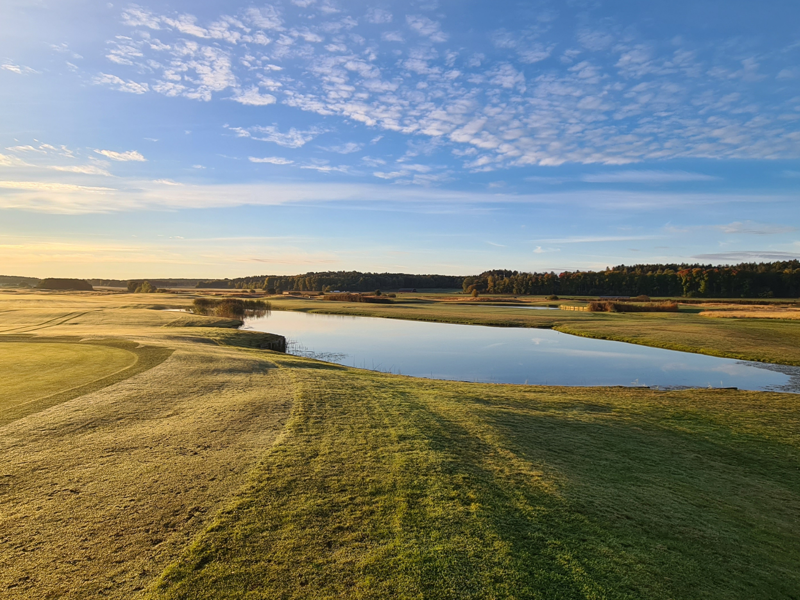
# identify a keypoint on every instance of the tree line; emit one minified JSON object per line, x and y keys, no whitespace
{"x":328,"y":281}
{"x":746,"y":280}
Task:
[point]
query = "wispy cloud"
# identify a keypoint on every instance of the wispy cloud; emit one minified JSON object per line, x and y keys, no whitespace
{"x":347,"y":148}
{"x":82,"y":169}
{"x":646,"y":177}
{"x":18,"y":69}
{"x":751,"y":227}
{"x":132,"y":87}
{"x":294,"y":138}
{"x":595,"y":239}
{"x":252,"y":97}
{"x":748,"y":256}
{"x":273,"y":160}
{"x":130,"y":155}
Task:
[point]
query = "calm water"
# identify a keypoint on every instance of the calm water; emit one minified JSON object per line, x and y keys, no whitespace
{"x":509,"y":355}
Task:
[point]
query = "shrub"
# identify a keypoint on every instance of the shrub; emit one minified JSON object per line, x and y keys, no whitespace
{"x":641,"y":298}
{"x":231,"y":308}
{"x":553,"y":297}
{"x":609,"y":306}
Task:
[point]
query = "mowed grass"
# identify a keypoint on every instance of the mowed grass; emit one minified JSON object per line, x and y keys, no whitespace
{"x":29,"y":371}
{"x":389,"y":487}
{"x":212,"y":469}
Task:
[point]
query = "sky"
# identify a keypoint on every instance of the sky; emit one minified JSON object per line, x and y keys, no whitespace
{"x":224,"y":139}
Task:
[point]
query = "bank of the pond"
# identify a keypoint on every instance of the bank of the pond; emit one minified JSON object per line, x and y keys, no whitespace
{"x":509,"y":355}
{"x":758,"y":340}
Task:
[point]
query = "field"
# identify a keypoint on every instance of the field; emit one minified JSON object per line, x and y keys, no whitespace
{"x":187,"y":463}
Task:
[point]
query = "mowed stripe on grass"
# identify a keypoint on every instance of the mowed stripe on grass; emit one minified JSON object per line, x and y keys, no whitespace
{"x":391,"y":487}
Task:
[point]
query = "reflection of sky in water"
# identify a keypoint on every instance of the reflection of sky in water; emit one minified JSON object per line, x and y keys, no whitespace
{"x":505,"y":354}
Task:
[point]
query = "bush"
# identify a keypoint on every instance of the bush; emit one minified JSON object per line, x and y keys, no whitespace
{"x":609,"y":306}
{"x":552,"y":297}
{"x":641,"y":298}
{"x":231,"y":308}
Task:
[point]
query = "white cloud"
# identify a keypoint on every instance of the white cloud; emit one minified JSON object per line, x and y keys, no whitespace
{"x":82,"y":169}
{"x":347,"y":148}
{"x":18,"y":69}
{"x":121,"y":85}
{"x":646,"y":177}
{"x":378,"y":16}
{"x":273,"y":160}
{"x":130,"y":155}
{"x":426,"y":27}
{"x":7,"y":160}
{"x":252,"y":97}
{"x":294,"y":138}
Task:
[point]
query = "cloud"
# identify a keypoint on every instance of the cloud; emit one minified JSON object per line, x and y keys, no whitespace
{"x":82,"y":169}
{"x":294,"y":138}
{"x":749,"y":256}
{"x":130,"y":155}
{"x":252,"y":97}
{"x":19,"y":70}
{"x":43,"y":186}
{"x":646,"y":177}
{"x":596,"y":239}
{"x":426,"y":27}
{"x":7,"y":160}
{"x":121,"y":85}
{"x":751,"y":227}
{"x":273,"y":160}
{"x":378,"y":16}
{"x":347,"y":148}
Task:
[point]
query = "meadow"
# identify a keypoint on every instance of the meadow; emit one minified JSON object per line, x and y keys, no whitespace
{"x":155,"y":454}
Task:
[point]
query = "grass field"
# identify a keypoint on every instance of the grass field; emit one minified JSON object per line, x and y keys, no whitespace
{"x":202,"y":467}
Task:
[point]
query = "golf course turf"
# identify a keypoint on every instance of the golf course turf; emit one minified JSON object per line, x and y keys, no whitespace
{"x":218,"y":470}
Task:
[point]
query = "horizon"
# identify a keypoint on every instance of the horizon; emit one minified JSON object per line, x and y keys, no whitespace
{"x":140,"y":140}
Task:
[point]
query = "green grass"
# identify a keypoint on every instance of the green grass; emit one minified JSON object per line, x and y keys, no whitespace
{"x":384,"y":486}
{"x":218,"y":470}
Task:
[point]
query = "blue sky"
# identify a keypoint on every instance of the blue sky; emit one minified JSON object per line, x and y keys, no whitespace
{"x":211,"y":139}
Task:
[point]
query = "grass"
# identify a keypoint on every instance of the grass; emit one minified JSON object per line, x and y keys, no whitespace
{"x":226,"y":471}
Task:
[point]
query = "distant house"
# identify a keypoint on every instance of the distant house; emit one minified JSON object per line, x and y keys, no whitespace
{"x":407,"y":290}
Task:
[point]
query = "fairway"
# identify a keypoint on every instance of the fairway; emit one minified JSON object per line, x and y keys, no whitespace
{"x":30,"y":371}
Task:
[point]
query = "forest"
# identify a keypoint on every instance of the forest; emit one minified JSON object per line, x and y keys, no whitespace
{"x":746,"y":280}
{"x":328,"y":281}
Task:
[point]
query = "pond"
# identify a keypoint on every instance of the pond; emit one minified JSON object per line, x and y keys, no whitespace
{"x":509,"y":354}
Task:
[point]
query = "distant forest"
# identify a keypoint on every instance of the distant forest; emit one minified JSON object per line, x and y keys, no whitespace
{"x":328,"y":281}
{"x":746,"y":280}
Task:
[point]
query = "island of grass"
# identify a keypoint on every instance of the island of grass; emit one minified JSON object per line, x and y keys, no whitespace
{"x":221,"y":470}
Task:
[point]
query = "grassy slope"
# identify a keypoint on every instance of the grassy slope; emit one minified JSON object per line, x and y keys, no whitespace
{"x":383,"y":486}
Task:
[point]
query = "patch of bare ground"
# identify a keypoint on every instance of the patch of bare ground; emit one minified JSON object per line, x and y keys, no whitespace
{"x":98,"y":494}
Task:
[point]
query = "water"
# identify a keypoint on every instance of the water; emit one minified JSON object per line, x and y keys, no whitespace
{"x":509,"y":355}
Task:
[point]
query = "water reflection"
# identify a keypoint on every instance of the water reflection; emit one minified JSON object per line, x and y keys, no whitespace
{"x":509,"y":355}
